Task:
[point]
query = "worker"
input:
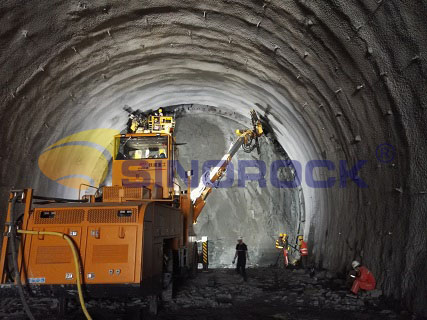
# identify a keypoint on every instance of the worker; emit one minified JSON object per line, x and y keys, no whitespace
{"x":158,"y":113}
{"x":162,"y":153}
{"x":364,"y":279}
{"x":283,"y":244}
{"x":136,"y":154}
{"x":241,"y":255}
{"x":303,"y":251}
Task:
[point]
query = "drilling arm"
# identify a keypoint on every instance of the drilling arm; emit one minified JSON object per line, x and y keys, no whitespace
{"x":248,"y":140}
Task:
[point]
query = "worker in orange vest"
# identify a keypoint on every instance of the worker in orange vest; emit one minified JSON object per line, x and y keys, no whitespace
{"x":364,"y":279}
{"x":282,"y":243}
{"x":303,"y":249}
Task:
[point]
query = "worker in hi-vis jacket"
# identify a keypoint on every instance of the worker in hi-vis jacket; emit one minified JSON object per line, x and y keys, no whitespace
{"x":283,"y":244}
{"x":364,"y":279}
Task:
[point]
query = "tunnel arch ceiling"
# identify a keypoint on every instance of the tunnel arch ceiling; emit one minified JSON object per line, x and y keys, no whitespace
{"x":336,"y":79}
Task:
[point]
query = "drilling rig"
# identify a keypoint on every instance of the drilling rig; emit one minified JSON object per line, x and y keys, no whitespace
{"x":129,"y":238}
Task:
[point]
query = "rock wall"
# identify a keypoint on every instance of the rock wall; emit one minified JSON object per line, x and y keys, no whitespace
{"x":256,"y":212}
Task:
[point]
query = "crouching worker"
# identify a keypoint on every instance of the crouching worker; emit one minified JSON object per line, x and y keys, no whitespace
{"x":363,"y":279}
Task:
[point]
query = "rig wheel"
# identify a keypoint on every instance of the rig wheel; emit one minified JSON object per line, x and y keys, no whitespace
{"x":167,"y":277}
{"x":153,"y":307}
{"x":195,"y":261}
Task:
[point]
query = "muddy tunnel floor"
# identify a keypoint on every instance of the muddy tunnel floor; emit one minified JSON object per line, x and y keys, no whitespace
{"x":221,"y":294}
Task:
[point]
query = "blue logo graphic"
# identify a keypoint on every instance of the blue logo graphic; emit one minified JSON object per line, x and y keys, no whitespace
{"x":385,"y":153}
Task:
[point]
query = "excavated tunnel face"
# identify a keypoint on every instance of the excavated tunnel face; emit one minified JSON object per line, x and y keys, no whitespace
{"x":334,"y":80}
{"x":245,"y":204}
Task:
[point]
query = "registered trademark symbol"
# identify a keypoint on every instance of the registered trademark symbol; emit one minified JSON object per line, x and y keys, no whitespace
{"x":385,"y":153}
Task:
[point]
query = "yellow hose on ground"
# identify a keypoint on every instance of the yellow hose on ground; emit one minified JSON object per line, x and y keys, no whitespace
{"x":76,"y":262}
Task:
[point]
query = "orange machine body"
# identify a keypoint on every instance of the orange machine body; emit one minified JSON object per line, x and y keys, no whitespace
{"x":123,"y":238}
{"x":119,"y":242}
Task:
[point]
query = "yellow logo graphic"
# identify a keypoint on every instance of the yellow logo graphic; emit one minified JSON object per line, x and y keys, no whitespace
{"x":81,"y":158}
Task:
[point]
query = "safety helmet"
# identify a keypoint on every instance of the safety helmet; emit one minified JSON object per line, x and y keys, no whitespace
{"x":162,"y":151}
{"x":300,"y":237}
{"x":281,"y":235}
{"x":355,"y":264}
{"x":240,"y":238}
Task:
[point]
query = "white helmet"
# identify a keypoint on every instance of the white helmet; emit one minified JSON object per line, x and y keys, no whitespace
{"x":240,"y":238}
{"x":355,"y":264}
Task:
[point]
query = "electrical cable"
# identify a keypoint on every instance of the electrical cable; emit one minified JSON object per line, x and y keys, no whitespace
{"x":76,"y":262}
{"x":17,"y":274}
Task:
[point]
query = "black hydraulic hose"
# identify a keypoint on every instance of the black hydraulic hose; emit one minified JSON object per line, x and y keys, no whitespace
{"x":58,"y":199}
{"x":14,"y":246}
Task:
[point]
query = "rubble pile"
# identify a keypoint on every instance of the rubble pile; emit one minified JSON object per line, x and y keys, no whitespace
{"x":278,"y":288}
{"x":269,"y":293}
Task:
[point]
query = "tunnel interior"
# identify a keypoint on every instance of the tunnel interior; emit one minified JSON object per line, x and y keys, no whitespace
{"x":253,"y":209}
{"x":335,"y":80}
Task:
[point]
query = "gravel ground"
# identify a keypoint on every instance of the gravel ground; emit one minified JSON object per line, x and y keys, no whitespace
{"x":222,"y":294}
